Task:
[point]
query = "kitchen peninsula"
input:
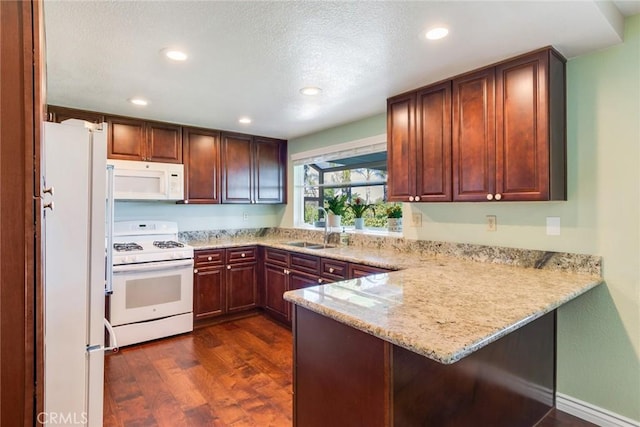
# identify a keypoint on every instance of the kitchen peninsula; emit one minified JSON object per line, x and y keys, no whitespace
{"x":451,"y":342}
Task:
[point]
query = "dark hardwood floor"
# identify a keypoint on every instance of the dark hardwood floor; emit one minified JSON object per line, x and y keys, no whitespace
{"x":231,"y":374}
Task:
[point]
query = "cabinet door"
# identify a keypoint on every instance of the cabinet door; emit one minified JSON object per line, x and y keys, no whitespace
{"x":208,"y":287}
{"x":242,"y":289}
{"x":275,"y":285}
{"x":164,"y":143}
{"x":127,"y":139}
{"x":201,"y":155}
{"x":300,"y":280}
{"x":237,"y":178}
{"x":474,"y":136}
{"x":401,"y":148}
{"x":522,"y":132}
{"x":433,"y":143}
{"x":270,"y":163}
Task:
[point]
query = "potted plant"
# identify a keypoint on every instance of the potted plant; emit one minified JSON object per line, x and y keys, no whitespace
{"x":359,"y":208}
{"x":336,"y":207}
{"x":394,"y":218}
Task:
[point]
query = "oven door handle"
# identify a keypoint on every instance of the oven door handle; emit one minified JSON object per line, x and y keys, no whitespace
{"x":152,"y":266}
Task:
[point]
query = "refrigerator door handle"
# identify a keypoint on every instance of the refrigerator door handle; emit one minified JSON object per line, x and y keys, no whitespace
{"x":112,"y":338}
{"x":110,"y":207}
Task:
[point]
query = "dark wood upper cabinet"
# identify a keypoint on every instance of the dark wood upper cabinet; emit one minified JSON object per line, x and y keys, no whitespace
{"x":419,"y":145}
{"x":474,"y":136}
{"x":270,"y":167}
{"x":494,"y":134}
{"x":401,"y":147}
{"x":253,"y":169}
{"x":433,"y":143}
{"x":164,"y":142}
{"x":201,"y":156}
{"x":530,"y":128}
{"x":127,"y":139}
{"x":132,"y":139}
{"x":237,"y":167}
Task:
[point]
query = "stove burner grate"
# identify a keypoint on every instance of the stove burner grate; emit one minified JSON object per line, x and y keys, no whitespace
{"x":127,"y":247}
{"x":167,"y":244}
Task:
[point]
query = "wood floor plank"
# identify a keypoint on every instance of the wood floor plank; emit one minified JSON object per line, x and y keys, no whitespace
{"x":235,"y":374}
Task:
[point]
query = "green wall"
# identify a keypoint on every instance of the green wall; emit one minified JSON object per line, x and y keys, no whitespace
{"x":599,"y":333}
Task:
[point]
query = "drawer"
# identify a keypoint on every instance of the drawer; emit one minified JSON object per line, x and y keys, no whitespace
{"x":306,"y":263}
{"x":361,"y":270}
{"x":203,"y":258}
{"x":276,"y":256}
{"x":242,"y":254}
{"x":333,"y":269}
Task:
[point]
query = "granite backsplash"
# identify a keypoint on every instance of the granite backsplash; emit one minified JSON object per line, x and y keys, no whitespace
{"x":526,"y":258}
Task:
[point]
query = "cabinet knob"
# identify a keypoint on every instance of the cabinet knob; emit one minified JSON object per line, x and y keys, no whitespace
{"x":489,"y":196}
{"x":48,"y":206}
{"x":411,"y":198}
{"x":417,"y":199}
{"x":209,"y":258}
{"x":48,"y":190}
{"x":320,"y":280}
{"x":195,"y":271}
{"x":330,"y":270}
{"x":243,"y":255}
{"x":498,"y":196}
{"x":228,"y":267}
{"x":286,"y":271}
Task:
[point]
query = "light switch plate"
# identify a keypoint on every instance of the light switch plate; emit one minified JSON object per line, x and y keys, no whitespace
{"x":416,"y":220}
{"x":492,"y":223}
{"x":245,"y":216}
{"x":553,"y":226}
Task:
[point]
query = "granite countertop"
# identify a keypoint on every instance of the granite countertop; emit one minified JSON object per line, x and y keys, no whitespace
{"x":445,"y":309}
{"x":440,"y":305}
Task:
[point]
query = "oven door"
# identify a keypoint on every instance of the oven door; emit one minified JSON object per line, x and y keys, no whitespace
{"x":150,"y":291}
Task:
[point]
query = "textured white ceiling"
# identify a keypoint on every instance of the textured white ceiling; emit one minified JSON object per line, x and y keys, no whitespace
{"x":251,"y":58}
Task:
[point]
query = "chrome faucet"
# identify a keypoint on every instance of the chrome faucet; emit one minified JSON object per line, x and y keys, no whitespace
{"x":326,"y":225}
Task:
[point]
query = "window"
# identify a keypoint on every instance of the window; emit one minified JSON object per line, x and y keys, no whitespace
{"x":346,"y":173}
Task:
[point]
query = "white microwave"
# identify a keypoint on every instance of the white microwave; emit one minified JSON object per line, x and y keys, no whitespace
{"x":133,"y":180}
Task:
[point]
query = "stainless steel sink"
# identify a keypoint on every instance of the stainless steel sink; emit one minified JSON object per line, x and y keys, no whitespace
{"x":309,"y":245}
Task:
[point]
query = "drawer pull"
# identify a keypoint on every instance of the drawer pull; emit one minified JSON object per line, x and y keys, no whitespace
{"x":243,"y":255}
{"x":331,"y":270}
{"x":209,"y":259}
{"x":195,"y":271}
{"x":228,"y":267}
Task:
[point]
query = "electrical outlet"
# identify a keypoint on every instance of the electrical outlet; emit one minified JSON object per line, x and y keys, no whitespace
{"x":245,"y":216}
{"x":416,"y":220}
{"x":553,"y":226}
{"x":492,"y":223}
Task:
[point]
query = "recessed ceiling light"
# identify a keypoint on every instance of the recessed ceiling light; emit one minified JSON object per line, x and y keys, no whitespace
{"x":437,"y":33}
{"x":175,"y":55}
{"x":244,"y":120}
{"x":310,"y":90}
{"x":139,"y":101}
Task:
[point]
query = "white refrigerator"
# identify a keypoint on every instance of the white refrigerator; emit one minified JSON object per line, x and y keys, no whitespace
{"x":76,"y":220}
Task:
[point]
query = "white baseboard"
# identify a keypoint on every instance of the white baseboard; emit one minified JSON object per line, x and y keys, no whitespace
{"x":591,"y":413}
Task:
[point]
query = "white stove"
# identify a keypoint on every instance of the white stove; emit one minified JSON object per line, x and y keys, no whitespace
{"x":137,"y":242}
{"x":152,"y":293}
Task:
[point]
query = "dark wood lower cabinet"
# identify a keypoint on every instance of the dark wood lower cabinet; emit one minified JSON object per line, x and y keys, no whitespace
{"x":242,"y":287}
{"x":345,"y":377}
{"x":224,"y":287}
{"x":208,"y":298}
{"x":275,"y":285}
